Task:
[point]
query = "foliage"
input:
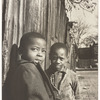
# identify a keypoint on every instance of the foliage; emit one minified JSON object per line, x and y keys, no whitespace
{"x":80,"y":34}
{"x":78,"y":30}
{"x":87,"y":5}
{"x":89,"y":40}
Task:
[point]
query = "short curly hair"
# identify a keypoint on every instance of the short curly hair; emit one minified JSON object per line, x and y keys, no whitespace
{"x":56,"y":46}
{"x":27,"y":37}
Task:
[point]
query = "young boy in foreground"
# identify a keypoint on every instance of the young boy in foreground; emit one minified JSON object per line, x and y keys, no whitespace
{"x":29,"y":82}
{"x":64,"y":80}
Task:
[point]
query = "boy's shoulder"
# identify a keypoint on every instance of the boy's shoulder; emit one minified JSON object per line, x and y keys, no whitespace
{"x":24,"y":65}
{"x":72,"y":73}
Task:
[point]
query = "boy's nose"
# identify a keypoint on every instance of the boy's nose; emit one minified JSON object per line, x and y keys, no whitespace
{"x":39,"y":53}
{"x":58,"y":60}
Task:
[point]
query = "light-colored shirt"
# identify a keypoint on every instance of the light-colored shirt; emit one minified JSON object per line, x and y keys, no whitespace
{"x":65,"y":84}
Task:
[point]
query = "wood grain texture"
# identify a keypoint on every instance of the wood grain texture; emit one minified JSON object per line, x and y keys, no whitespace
{"x":22,"y":16}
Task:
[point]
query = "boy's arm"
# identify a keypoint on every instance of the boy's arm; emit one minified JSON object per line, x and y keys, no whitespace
{"x":75,"y":87}
{"x":31,"y":84}
{"x":35,"y":85}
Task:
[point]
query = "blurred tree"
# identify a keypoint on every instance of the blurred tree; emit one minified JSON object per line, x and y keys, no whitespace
{"x":81,"y":35}
{"x":88,"y":5}
{"x":78,"y":30}
{"x":88,"y":41}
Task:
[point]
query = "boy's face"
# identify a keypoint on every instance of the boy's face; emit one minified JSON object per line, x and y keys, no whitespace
{"x":59,"y":59}
{"x":35,"y":50}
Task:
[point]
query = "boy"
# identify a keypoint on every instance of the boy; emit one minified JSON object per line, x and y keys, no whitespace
{"x":64,"y":81}
{"x":29,"y":82}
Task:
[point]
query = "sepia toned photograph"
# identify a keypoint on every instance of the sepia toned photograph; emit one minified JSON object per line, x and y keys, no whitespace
{"x":49,"y":49}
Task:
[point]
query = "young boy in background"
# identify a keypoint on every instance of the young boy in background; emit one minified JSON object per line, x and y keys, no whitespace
{"x":63,"y":80}
{"x":29,"y":81}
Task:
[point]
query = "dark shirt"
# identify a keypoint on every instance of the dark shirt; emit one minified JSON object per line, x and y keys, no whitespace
{"x":29,"y":82}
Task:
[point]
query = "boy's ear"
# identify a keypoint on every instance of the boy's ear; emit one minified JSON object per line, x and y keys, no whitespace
{"x":67,"y":59}
{"x":20,"y":50}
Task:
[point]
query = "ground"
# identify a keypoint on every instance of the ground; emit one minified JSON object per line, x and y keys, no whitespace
{"x":88,"y":82}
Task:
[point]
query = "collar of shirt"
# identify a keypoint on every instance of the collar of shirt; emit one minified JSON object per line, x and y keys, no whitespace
{"x":63,"y":70}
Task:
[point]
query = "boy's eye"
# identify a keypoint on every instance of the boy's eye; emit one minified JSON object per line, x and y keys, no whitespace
{"x":44,"y":51}
{"x":54,"y":57}
{"x":61,"y":59}
{"x":34,"y":49}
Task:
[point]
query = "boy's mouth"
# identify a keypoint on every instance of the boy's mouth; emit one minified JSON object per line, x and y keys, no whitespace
{"x":38,"y":61}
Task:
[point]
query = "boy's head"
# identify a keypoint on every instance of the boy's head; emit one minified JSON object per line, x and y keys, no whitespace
{"x":33,"y":47}
{"x":58,"y":55}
